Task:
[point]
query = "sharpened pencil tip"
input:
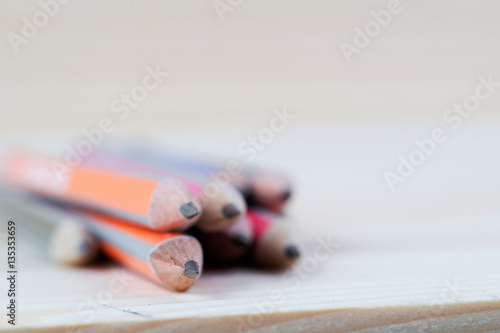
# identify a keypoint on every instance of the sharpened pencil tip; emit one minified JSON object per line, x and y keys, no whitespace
{"x":189,"y":210}
{"x":241,"y":240}
{"x":191,"y":269}
{"x":286,"y":195}
{"x":230,"y":210}
{"x":292,"y":252}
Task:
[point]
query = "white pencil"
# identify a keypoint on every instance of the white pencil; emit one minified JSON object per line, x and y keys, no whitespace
{"x":67,"y":241}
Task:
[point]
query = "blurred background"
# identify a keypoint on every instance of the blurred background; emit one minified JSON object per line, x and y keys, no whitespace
{"x":231,"y":63}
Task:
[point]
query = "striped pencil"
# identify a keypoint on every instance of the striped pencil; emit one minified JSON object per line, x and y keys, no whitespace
{"x":160,"y":204}
{"x":222,"y":203}
{"x":170,"y":259}
{"x":268,"y":189}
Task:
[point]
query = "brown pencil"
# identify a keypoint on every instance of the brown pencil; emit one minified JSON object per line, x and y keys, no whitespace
{"x":170,"y":259}
{"x":228,"y":246}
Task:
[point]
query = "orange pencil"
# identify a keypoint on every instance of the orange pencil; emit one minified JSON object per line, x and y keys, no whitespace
{"x":171,"y":259}
{"x":222,"y":203}
{"x":160,"y":204}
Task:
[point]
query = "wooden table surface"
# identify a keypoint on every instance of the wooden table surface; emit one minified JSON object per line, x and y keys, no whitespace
{"x":423,"y":278}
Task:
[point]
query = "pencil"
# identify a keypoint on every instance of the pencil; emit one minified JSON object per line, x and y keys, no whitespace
{"x":228,"y":246}
{"x":67,"y":241}
{"x":274,"y":245}
{"x":222,"y":203}
{"x":261,"y":187}
{"x":268,"y":189}
{"x":161,"y":204}
{"x":171,"y":259}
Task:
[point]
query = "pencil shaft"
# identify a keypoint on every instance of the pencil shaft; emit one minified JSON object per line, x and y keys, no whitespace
{"x":261,"y":187}
{"x":184,"y":166}
{"x":66,"y":240}
{"x":222,"y":203}
{"x":114,"y":162}
{"x":157,"y":204}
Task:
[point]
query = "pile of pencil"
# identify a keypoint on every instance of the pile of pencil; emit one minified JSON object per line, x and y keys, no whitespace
{"x":156,"y":212}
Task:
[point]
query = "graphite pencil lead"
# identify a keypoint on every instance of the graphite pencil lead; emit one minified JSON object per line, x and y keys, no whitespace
{"x":191,"y":269}
{"x":189,"y":210}
{"x":230,"y":210}
{"x":286,"y":195}
{"x":292,"y":252}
